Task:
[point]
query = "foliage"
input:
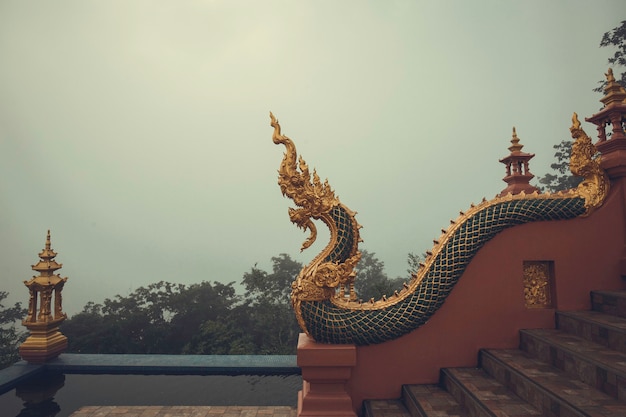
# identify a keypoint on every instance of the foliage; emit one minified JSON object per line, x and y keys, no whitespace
{"x":275,"y":287}
{"x":10,"y":336}
{"x":159,"y":318}
{"x":372,"y":281}
{"x":204,"y":318}
{"x":211,"y":318}
{"x":615,"y":38}
{"x":271,"y":321}
{"x":562,"y":179}
{"x":413,"y":260}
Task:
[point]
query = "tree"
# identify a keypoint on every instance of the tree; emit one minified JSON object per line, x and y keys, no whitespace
{"x":195,"y":305}
{"x":271,"y":321}
{"x":274,"y":287}
{"x":10,"y":337}
{"x":562,"y":179}
{"x":218,"y":337}
{"x":615,"y":38}
{"x":160,"y":318}
{"x":413,"y":260}
{"x":209,"y":318}
{"x":372,"y":280}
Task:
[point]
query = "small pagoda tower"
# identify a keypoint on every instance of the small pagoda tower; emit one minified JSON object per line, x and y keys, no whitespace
{"x":612,"y":145}
{"x":44,"y":316}
{"x":518,"y":174}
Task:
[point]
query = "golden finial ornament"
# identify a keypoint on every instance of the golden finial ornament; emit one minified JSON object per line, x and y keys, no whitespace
{"x":515,"y":145}
{"x":45,"y":310}
{"x":610,"y":78}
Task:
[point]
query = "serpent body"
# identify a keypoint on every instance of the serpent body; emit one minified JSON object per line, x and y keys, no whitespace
{"x":323,"y":297}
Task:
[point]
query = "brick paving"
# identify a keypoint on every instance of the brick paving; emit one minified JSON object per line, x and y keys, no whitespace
{"x":432,"y":400}
{"x":184,"y":411}
{"x":386,"y":408}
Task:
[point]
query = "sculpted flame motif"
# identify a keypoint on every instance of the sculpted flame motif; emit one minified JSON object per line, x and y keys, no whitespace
{"x":323,"y":297}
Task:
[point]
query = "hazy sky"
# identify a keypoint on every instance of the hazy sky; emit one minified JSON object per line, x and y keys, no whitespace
{"x":138,"y":131}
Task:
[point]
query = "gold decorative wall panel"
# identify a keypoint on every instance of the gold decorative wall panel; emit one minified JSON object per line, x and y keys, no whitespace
{"x":539,"y":284}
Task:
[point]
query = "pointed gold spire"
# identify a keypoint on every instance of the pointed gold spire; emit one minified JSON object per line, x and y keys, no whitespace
{"x":516,"y":146}
{"x":613,"y":92}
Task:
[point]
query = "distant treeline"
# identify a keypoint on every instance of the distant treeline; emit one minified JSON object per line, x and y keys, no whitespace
{"x":210,"y":318}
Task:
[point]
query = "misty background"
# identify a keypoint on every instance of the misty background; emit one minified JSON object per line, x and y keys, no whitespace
{"x":138,"y":132}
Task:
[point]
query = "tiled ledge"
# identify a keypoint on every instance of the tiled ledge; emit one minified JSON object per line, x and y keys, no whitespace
{"x":154,"y":364}
{"x":16,"y":373}
{"x":176,"y":364}
{"x":185,"y":411}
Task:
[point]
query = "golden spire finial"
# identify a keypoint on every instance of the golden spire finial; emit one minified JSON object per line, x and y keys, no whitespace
{"x":613,"y":91}
{"x":609,"y":76}
{"x":45,"y":310}
{"x":48,"y":240}
{"x":516,"y":146}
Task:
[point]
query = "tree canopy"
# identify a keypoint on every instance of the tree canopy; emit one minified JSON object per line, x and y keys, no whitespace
{"x":615,"y":38}
{"x":203,"y":318}
{"x":210,"y":317}
{"x":561,"y":178}
{"x":10,"y":336}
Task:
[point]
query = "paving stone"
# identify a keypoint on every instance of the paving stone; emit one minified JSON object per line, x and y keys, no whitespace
{"x":184,"y":411}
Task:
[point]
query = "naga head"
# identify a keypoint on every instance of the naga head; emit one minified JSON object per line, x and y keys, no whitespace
{"x":316,"y":200}
{"x":585,"y":163}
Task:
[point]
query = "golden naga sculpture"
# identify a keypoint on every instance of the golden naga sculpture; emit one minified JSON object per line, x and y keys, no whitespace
{"x":584,"y":163}
{"x":323,"y":297}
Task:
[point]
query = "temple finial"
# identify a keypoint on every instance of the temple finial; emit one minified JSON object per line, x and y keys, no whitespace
{"x":609,"y":123}
{"x":609,"y":76}
{"x":45,"y":310}
{"x":518,"y":172}
{"x":516,"y":146}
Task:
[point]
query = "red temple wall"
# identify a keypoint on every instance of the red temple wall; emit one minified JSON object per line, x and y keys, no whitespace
{"x":486,"y":309}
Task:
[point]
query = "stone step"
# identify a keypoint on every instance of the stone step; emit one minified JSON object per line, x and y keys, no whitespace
{"x":594,"y":326}
{"x":547,"y":388}
{"x":430,"y":401}
{"x":601,"y":368}
{"x":609,"y":302}
{"x":482,"y":396}
{"x":384,"y":408}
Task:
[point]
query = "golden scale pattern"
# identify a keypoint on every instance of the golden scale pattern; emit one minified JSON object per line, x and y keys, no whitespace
{"x":329,"y":314}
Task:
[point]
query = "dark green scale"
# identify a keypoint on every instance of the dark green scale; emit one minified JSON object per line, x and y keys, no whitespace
{"x":345,"y":235}
{"x":329,"y":324}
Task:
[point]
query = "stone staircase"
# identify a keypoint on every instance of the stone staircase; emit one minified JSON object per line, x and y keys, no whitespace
{"x":578,"y":369}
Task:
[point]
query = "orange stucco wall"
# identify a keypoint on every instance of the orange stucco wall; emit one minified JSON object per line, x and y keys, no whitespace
{"x":486,"y":308}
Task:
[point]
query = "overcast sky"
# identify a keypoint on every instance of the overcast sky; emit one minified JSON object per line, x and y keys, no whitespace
{"x":138,"y":131}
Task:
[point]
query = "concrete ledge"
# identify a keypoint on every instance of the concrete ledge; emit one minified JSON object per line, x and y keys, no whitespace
{"x":71,"y":363}
{"x":16,"y":373}
{"x":175,"y":364}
